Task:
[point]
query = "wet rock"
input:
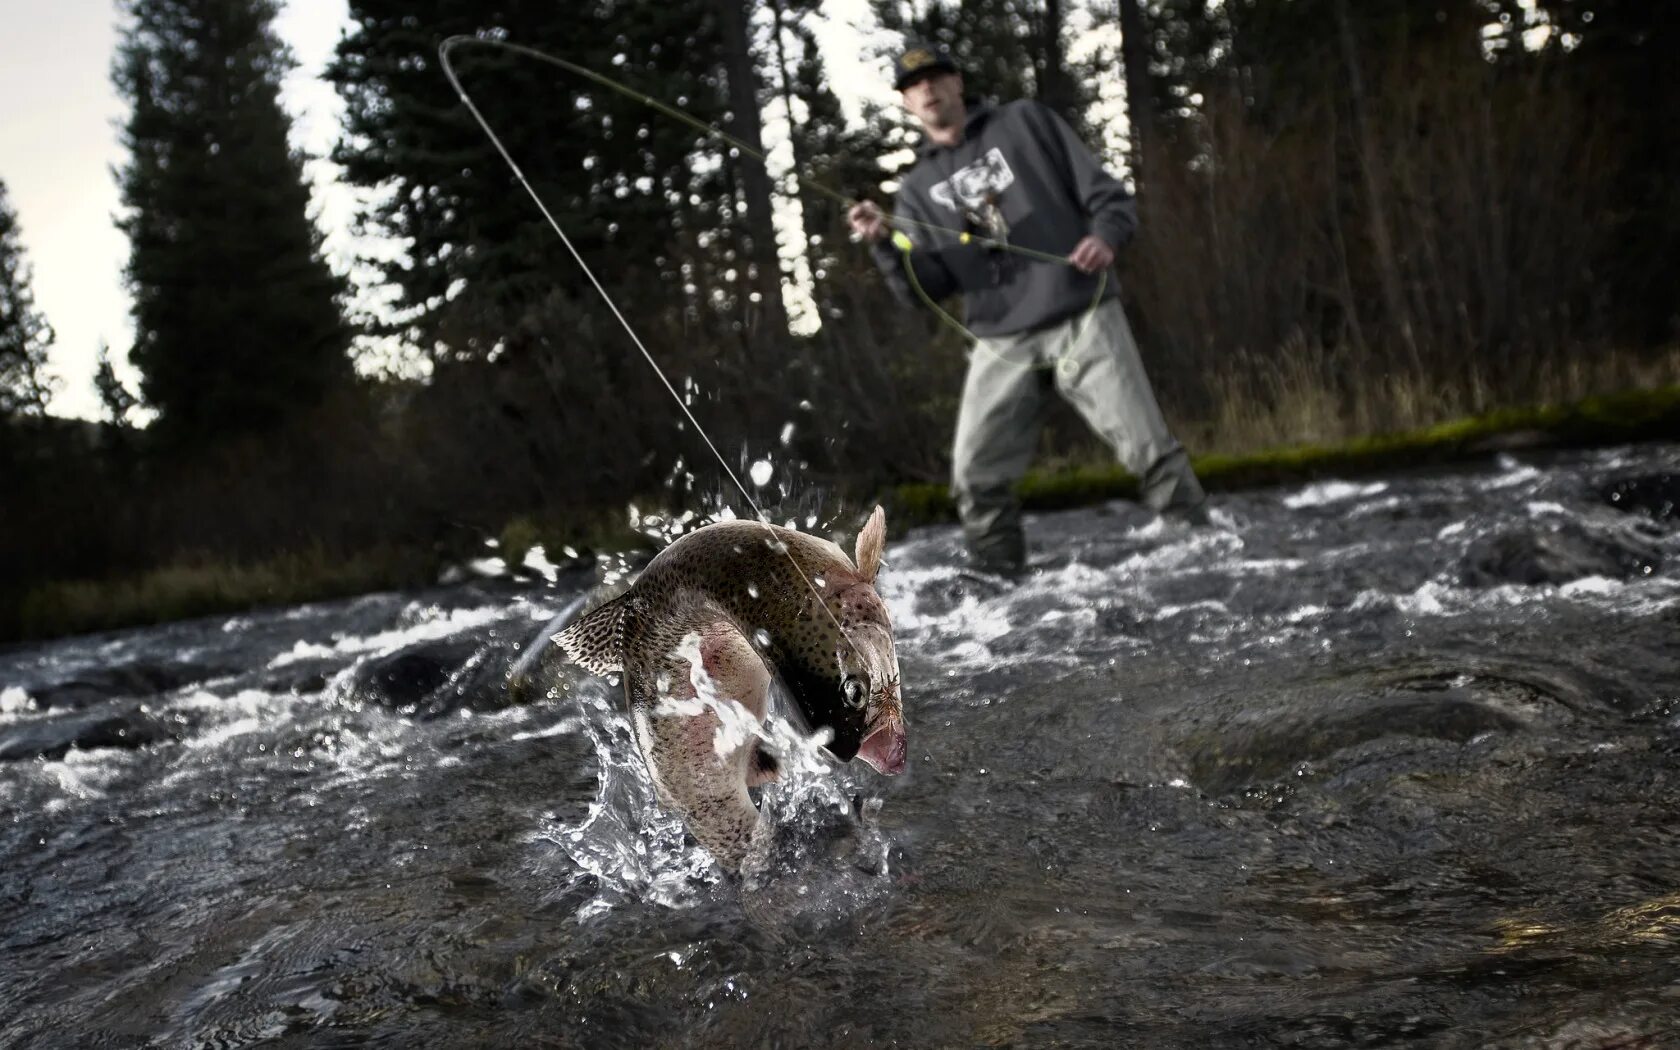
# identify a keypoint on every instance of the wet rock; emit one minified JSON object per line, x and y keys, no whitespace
{"x":135,"y":680}
{"x":295,"y":680}
{"x":1655,"y":495}
{"x":431,"y":679}
{"x":1261,"y":750}
{"x":1554,"y":556}
{"x":124,"y":725}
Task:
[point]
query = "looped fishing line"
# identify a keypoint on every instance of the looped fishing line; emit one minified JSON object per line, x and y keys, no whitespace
{"x":449,"y":71}
{"x":901,"y":223}
{"x":904,"y":245}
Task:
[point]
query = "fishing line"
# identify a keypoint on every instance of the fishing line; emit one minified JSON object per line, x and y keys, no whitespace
{"x":449,"y":71}
{"x":901,"y":222}
{"x":900,"y":240}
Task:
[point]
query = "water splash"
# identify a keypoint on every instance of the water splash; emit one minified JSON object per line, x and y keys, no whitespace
{"x":820,"y":858}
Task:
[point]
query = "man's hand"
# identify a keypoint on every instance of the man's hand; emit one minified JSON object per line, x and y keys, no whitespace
{"x":1091,"y":254}
{"x":867,"y":220}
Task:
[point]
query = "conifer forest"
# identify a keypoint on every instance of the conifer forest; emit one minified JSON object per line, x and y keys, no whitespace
{"x":1355,"y":218}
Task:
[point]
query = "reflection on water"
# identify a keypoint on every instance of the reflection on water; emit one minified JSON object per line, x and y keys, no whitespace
{"x":1370,"y":763}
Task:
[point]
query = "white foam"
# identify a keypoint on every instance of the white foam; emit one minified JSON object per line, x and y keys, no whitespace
{"x":1332,"y":492}
{"x":564,"y":727}
{"x":458,"y":621}
{"x":1592,"y":585}
{"x":536,"y":559}
{"x":1515,"y":474}
{"x":1378,"y":506}
{"x":1265,"y":566}
{"x":302,"y":651}
{"x":1168,"y":612}
{"x":14,"y":701}
{"x":223,"y":733}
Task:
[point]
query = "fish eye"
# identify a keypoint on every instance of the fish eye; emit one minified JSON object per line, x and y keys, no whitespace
{"x":853,"y":690}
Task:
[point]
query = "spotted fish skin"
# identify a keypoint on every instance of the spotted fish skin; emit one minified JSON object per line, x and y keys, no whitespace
{"x":708,"y":624}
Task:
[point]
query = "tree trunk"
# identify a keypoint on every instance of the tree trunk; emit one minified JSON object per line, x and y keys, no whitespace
{"x":1053,"y":85}
{"x":801,"y":159}
{"x":1140,"y":89}
{"x":1376,"y":204}
{"x":769,"y":321}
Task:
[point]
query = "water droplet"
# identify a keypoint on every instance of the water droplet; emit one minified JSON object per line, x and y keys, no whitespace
{"x":761,"y":638}
{"x":761,"y":472}
{"x":752,"y":590}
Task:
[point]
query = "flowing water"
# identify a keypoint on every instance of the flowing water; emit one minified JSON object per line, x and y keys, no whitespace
{"x":1376,"y":763}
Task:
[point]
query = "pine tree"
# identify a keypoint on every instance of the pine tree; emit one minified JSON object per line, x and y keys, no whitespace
{"x":741,"y":67}
{"x":1619,"y":55}
{"x":825,"y":151}
{"x":25,"y":335}
{"x":1007,"y":49}
{"x":237,"y":318}
{"x":641,"y":196}
{"x":118,"y":401}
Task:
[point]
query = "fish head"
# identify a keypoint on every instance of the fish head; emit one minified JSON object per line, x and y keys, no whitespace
{"x":850,"y":684}
{"x":869,"y":679}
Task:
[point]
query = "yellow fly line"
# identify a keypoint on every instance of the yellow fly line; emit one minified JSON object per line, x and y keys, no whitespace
{"x":1062,"y":360}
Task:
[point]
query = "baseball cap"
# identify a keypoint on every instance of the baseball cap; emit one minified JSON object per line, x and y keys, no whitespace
{"x":919,"y":59}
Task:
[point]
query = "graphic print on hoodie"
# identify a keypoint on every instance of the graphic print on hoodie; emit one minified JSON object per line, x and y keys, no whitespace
{"x":974,"y":192}
{"x":1020,"y":174}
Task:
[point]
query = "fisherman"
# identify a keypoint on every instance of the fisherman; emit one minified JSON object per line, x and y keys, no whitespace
{"x":1016,"y":174}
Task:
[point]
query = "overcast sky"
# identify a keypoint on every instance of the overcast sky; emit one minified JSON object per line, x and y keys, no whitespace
{"x":59,"y":119}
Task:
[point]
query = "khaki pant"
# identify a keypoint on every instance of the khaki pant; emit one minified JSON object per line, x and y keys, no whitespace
{"x":1093,"y":362}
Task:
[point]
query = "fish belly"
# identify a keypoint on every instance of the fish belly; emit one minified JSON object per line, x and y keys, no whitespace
{"x":696,"y":711}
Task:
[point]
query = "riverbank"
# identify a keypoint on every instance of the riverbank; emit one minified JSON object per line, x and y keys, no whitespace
{"x":185,"y":591}
{"x":1622,"y":418}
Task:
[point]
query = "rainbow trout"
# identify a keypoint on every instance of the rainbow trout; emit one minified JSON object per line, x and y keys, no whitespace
{"x":699,"y":637}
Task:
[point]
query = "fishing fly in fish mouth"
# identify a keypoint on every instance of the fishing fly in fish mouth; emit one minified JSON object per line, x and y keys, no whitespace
{"x":726,"y":610}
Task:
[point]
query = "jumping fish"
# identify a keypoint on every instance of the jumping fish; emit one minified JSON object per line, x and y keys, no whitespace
{"x":705,"y":629}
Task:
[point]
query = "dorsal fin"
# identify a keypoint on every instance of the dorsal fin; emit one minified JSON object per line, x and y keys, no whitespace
{"x":596,"y":641}
{"x":871,"y":541}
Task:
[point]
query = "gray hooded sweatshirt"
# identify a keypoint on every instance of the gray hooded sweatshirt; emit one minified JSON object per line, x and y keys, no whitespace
{"x":1020,"y":175}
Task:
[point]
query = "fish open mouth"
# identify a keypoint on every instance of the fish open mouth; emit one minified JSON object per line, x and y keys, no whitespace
{"x":885,"y":748}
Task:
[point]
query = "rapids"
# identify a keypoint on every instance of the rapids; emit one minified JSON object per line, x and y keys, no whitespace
{"x":1389,"y":762}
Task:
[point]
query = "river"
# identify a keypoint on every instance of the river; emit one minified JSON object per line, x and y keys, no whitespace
{"x":1376,"y":762}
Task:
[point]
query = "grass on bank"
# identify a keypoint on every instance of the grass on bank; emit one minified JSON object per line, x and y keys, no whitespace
{"x":1638,"y":415}
{"x":182,"y":592}
{"x":202,"y":589}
